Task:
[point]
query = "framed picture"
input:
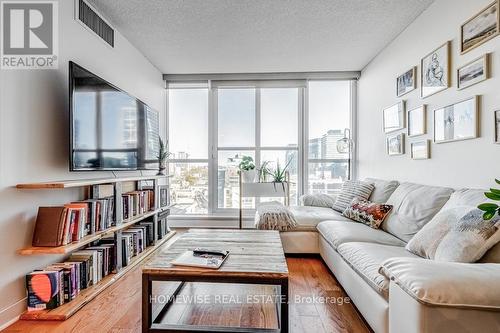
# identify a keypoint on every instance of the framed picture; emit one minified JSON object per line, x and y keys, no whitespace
{"x":474,"y":72}
{"x":457,"y":121}
{"x":406,"y":82}
{"x":420,"y":150}
{"x":417,"y":121}
{"x":497,"y":127}
{"x":481,"y":28}
{"x":396,"y":144}
{"x":435,"y":71}
{"x":394,"y":117}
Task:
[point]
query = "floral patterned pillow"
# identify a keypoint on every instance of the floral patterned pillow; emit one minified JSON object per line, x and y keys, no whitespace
{"x":367,"y":212}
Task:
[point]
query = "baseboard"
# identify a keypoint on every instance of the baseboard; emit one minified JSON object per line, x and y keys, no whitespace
{"x":11,"y":314}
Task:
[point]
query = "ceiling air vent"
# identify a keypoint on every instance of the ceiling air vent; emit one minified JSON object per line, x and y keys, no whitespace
{"x":89,"y":17}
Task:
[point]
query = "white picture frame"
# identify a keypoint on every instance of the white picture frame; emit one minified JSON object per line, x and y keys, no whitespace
{"x":417,"y":121}
{"x":497,"y":126}
{"x":394,"y":117}
{"x":457,"y":122}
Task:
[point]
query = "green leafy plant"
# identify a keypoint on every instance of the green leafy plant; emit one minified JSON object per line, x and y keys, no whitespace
{"x":246,"y":163}
{"x":279,"y":174}
{"x":163,"y":154}
{"x":263,"y":171}
{"x":491,"y":209}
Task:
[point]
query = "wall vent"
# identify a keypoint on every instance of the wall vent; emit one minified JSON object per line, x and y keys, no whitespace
{"x":91,"y":19}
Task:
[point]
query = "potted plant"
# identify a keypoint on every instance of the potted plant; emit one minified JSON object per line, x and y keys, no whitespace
{"x":263,"y":171}
{"x":279,"y":174}
{"x":491,"y":209}
{"x":247,"y":169}
{"x":163,"y":154}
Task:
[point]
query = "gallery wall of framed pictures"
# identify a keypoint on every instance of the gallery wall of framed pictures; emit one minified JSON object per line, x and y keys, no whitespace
{"x":457,"y":121}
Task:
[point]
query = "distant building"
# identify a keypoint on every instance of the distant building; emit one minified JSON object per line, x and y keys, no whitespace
{"x":329,"y":145}
{"x":315,"y":148}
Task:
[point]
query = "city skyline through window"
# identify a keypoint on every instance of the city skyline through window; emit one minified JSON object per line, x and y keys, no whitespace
{"x":264,"y":123}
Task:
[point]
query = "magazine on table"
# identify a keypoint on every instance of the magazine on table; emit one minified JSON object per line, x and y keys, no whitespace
{"x":203,"y":258}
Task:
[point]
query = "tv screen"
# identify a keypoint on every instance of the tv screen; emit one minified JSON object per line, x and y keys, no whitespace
{"x":110,"y":129}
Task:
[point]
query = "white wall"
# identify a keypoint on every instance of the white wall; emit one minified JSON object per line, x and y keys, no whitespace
{"x":34,"y":139}
{"x":473,"y":163}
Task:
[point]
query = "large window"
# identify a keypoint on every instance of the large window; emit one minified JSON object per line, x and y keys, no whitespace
{"x":329,"y":114}
{"x":296,"y":124}
{"x":188,"y":142}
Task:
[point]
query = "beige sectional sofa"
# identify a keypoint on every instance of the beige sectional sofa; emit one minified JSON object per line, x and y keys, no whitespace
{"x":395,"y":290}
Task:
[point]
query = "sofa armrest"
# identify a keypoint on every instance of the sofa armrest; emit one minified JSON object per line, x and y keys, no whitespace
{"x":317,"y":200}
{"x":475,"y":286}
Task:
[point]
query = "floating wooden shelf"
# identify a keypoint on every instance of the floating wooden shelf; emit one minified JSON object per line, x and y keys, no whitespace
{"x":84,"y":182}
{"x":68,"y":248}
{"x":68,"y":309}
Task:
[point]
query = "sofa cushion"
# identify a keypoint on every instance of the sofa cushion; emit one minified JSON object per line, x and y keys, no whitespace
{"x":350,"y":190}
{"x":383,"y":189}
{"x":370,"y":213}
{"x":337,"y":233}
{"x":308,"y":217}
{"x":318,"y":200}
{"x":366,"y":259}
{"x":414,"y":206}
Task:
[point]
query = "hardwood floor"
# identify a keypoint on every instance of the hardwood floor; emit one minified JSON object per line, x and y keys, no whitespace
{"x":118,"y":309}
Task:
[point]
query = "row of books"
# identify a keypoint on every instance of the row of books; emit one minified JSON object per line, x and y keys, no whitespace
{"x":136,"y":239}
{"x":137,"y":202}
{"x":56,"y":226}
{"x":60,"y":283}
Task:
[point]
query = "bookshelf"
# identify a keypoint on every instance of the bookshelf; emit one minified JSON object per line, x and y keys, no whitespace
{"x":66,"y":310}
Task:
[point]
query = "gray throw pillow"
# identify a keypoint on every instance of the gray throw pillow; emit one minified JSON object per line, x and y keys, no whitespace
{"x":469,"y":239}
{"x":457,"y":234}
{"x":352,"y":189}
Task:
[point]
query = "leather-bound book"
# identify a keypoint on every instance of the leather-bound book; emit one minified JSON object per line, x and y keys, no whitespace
{"x":49,"y":228}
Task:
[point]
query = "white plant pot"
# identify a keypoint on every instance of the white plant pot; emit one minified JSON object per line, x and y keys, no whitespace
{"x":248,"y":176}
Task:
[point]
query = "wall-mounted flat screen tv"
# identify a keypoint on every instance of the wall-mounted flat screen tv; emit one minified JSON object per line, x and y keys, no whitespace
{"x":110,"y":129}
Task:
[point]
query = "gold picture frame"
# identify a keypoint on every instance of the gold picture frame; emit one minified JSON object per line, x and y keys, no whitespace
{"x":485,"y":73}
{"x":446,"y":122}
{"x":481,"y":36}
{"x":437,"y":62}
{"x":413,"y":72}
{"x":427,"y":153}
{"x":394,"y":117}
{"x":423,"y":110}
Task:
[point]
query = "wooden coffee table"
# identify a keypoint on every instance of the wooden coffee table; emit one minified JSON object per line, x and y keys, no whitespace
{"x":256,"y":257}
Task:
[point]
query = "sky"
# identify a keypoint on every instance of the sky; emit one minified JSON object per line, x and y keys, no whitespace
{"x":329,"y":103}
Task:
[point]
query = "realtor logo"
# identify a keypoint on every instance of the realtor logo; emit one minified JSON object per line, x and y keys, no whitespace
{"x":29,"y":35}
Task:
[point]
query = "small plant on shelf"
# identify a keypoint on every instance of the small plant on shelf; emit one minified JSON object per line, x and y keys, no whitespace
{"x":247,"y":169}
{"x":263,"y":171}
{"x":163,"y":154}
{"x":491,"y":209}
{"x":279,"y":174}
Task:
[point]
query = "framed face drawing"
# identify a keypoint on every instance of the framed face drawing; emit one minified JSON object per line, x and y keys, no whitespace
{"x":435,"y":73}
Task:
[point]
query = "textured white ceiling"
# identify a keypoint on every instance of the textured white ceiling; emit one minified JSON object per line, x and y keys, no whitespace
{"x":242,"y":36}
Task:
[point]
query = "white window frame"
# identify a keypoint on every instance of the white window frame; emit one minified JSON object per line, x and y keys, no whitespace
{"x":302,"y":144}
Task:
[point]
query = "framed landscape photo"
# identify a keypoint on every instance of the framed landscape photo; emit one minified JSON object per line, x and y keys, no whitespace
{"x":497,"y":127}
{"x":394,"y":117}
{"x":435,"y":71}
{"x":457,"y":121}
{"x":406,"y":82}
{"x":417,"y":121}
{"x":481,"y":28}
{"x":474,"y":72}
{"x":420,"y":150}
{"x":396,"y":144}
